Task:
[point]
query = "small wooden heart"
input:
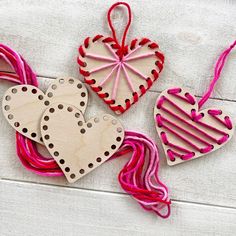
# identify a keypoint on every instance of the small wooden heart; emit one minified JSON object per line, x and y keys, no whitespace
{"x":120,"y":81}
{"x":78,"y":146}
{"x":185,"y":132}
{"x":24,"y":105}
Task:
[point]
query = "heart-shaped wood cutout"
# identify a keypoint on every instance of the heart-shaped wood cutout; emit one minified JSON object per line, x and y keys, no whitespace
{"x":185,"y":132}
{"x":24,"y":105}
{"x":119,"y":81}
{"x":78,"y":146}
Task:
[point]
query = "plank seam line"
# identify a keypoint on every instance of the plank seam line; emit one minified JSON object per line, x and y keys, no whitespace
{"x":110,"y":192}
{"x":150,"y":90}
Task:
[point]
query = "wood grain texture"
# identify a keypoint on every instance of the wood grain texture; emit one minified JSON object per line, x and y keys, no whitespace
{"x":207,"y":180}
{"x":65,"y":211}
{"x":24,"y":105}
{"x":79,"y":146}
{"x":191,"y":33}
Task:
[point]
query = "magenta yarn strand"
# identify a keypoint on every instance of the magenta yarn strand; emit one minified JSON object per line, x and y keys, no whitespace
{"x":217,"y":72}
{"x":140,"y":175}
{"x":25,"y":148}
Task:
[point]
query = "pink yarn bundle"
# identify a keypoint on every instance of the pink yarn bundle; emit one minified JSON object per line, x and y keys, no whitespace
{"x":26,"y":149}
{"x":139,"y":177}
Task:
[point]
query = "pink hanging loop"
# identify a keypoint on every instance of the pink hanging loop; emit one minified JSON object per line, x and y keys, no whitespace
{"x":218,"y":68}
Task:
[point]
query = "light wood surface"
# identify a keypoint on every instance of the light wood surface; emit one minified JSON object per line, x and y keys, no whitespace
{"x":79,"y":146}
{"x":24,"y":105}
{"x":192,"y":35}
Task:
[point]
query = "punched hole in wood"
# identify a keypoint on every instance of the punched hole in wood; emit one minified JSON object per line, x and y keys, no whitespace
{"x":90,"y":165}
{"x":105,"y":118}
{"x":51,"y":110}
{"x":119,"y":129}
{"x":70,"y":109}
{"x":7,"y":108}
{"x":71,"y":81}
{"x":33,"y":135}
{"x":61,"y":81}
{"x":60,"y":106}
{"x":46,"y":103}
{"x":54,"y":86}
{"x":10,"y":116}
{"x":34,"y":91}
{"x":82,"y":131}
{"x":50,"y":94}
{"x":89,"y":125}
{"x":14,"y":90}
{"x":72,"y":176}
{"x":16,"y":124}
{"x":118,"y":139}
{"x":8,"y":98}
{"x":46,"y":118}
{"x":40,"y":97}
{"x":80,"y":123}
{"x":79,"y":86}
{"x":24,"y":130}
{"x":77,"y":115}
{"x":114,"y":122}
{"x":56,"y":154}
{"x":96,"y":120}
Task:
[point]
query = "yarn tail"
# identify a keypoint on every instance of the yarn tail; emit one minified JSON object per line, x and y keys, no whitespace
{"x":139,"y":177}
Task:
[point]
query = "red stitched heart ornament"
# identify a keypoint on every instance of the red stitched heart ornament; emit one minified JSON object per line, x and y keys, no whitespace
{"x":185,"y":132}
{"x":119,"y":73}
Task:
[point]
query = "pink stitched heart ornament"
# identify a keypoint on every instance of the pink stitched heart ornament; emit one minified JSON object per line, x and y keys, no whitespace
{"x":185,"y":132}
{"x":119,"y":73}
{"x":78,"y":146}
{"x":24,"y":105}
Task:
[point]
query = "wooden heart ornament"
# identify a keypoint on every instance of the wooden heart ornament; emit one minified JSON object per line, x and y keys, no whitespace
{"x":119,"y":73}
{"x":78,"y":146}
{"x":24,"y":105}
{"x":185,"y":132}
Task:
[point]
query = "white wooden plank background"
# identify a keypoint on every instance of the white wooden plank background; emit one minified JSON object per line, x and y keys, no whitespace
{"x":192,"y":34}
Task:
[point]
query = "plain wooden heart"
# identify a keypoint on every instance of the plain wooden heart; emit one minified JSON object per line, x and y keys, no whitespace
{"x":179,"y":123}
{"x":24,"y":105}
{"x":78,"y":146}
{"x":132,"y":75}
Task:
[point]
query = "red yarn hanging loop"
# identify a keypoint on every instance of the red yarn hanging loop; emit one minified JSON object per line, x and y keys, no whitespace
{"x":122,"y":45}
